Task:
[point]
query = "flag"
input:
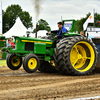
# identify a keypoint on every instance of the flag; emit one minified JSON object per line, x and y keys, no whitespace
{"x":89,"y":20}
{"x":1,"y":18}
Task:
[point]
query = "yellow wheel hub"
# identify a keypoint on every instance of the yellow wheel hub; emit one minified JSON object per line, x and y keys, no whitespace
{"x":15,"y":62}
{"x":32,"y":63}
{"x":79,"y":56}
{"x":82,"y":56}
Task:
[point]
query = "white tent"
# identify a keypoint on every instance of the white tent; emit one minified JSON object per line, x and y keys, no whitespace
{"x":18,"y":29}
{"x":40,"y":34}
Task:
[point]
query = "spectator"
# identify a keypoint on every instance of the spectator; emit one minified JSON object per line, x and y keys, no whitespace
{"x":82,"y":33}
{"x":9,"y":43}
{"x":10,"y":39}
{"x":12,"y":44}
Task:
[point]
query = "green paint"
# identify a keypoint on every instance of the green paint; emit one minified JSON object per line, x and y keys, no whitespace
{"x":3,"y":44}
{"x":71,"y":34}
{"x":39,"y":48}
{"x":19,"y":44}
{"x":51,"y":51}
{"x":47,"y":58}
{"x":2,"y":37}
{"x":33,"y":39}
{"x":4,"y":55}
{"x":2,"y":41}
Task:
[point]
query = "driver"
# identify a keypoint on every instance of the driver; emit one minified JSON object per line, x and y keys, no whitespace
{"x":60,"y":31}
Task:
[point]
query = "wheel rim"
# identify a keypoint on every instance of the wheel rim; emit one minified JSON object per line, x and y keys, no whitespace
{"x":15,"y":62}
{"x":82,"y":56}
{"x":32,"y":63}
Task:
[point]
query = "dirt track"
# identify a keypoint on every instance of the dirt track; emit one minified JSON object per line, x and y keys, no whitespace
{"x":21,"y":85}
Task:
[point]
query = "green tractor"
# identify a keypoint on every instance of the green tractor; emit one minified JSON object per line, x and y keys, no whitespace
{"x":73,"y":55}
{"x":2,"y":44}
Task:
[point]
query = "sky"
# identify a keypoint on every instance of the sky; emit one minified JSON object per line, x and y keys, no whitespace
{"x":52,"y":10}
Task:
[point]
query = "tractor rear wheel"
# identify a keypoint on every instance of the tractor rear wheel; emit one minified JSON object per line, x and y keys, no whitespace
{"x":13,"y":62}
{"x":79,"y":56}
{"x":31,"y":63}
{"x":59,"y":57}
{"x":46,"y":67}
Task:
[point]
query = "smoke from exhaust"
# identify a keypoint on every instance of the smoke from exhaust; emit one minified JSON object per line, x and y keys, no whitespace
{"x":37,"y":6}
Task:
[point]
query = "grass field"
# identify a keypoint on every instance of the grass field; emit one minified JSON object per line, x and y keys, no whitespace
{"x":3,"y":63}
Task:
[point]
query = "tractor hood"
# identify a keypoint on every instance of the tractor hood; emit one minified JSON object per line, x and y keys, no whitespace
{"x":34,"y":40}
{"x":27,"y":44}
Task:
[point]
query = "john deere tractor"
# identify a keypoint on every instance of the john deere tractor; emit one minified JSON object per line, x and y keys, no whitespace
{"x":73,"y":55}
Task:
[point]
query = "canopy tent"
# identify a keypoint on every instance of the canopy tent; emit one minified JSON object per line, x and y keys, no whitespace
{"x":18,"y":29}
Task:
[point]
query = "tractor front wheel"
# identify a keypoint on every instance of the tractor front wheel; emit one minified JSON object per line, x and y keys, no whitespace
{"x":31,"y":63}
{"x":13,"y":62}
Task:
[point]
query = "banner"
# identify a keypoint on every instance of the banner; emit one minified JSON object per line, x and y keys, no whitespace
{"x":0,"y":17}
{"x":68,"y":25}
{"x":89,"y":20}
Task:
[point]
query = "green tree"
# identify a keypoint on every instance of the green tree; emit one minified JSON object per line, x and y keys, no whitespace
{"x":42,"y":25}
{"x":26,"y":19}
{"x":79,"y":23}
{"x":10,"y":15}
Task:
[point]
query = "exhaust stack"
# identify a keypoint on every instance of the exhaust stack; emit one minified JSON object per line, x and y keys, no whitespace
{"x":36,"y":30}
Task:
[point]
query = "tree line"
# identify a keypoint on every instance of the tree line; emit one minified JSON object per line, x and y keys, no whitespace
{"x":12,"y":12}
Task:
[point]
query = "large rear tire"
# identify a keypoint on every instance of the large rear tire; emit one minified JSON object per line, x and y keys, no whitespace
{"x":77,"y":57}
{"x":13,"y":62}
{"x":59,"y":57}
